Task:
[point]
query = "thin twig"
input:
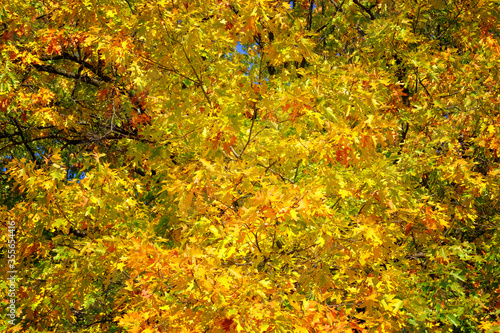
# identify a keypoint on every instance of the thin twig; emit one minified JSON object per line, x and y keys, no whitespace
{"x":200,"y":82}
{"x":64,"y":214}
{"x":257,"y":241}
{"x":277,"y":173}
{"x":249,"y":134}
{"x":296,"y":171}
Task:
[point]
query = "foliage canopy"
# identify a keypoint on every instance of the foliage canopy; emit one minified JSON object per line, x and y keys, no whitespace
{"x":252,"y":166}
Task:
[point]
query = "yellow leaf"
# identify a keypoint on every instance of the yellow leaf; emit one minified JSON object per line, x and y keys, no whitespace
{"x":235,"y":273}
{"x":214,"y":230}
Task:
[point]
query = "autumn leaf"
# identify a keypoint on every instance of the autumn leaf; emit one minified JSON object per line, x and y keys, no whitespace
{"x":238,"y":166}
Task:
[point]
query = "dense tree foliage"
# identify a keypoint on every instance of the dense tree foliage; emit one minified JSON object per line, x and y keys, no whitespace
{"x":251,"y":166}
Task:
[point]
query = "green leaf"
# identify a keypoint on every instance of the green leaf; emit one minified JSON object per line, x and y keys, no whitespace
{"x":453,"y":320}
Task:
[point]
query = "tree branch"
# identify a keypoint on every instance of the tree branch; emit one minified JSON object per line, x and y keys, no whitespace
{"x":200,"y":82}
{"x":67,"y":56}
{"x":54,"y":70}
{"x":366,"y":9}
{"x":25,"y":142}
{"x":249,"y":134}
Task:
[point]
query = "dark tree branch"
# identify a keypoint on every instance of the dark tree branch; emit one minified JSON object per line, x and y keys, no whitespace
{"x":309,"y":15}
{"x":417,"y":255}
{"x":405,"y":127}
{"x":365,"y":9}
{"x":337,"y":6}
{"x":25,"y":142}
{"x":85,"y":64}
{"x":54,"y":70}
{"x":9,"y":135}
